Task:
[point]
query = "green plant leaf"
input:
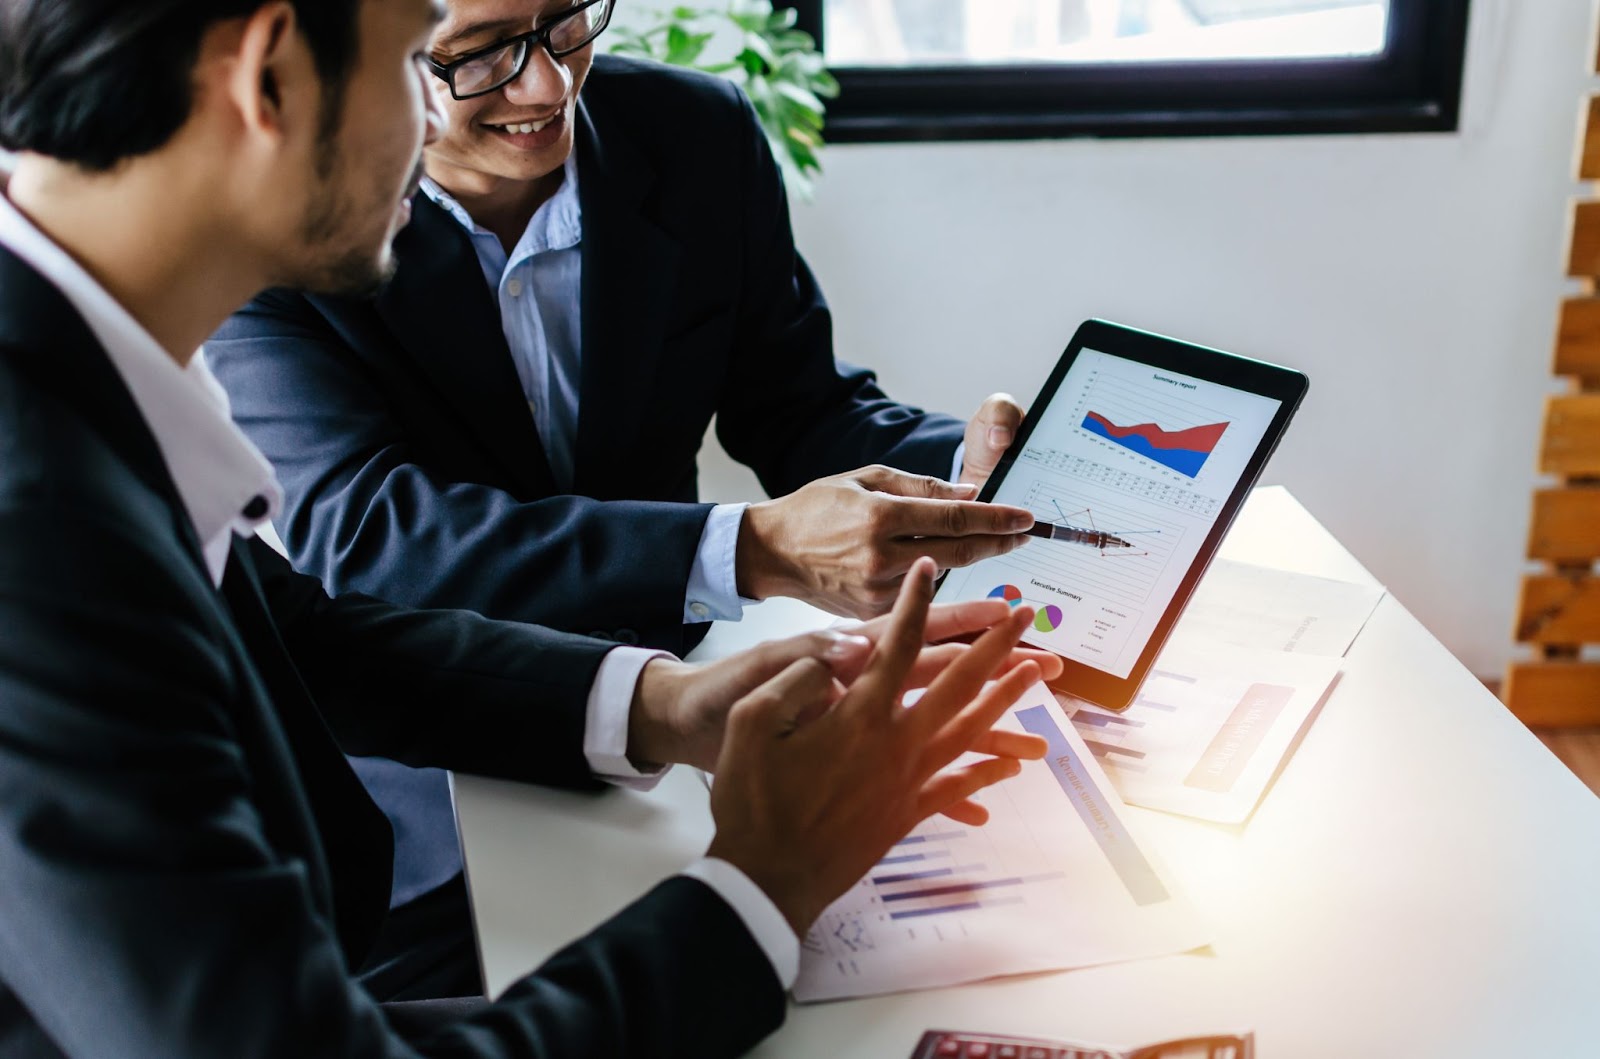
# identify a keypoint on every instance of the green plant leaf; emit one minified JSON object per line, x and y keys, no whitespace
{"x":754,"y":65}
{"x":683,"y":47}
{"x":784,"y":76}
{"x":756,"y":43}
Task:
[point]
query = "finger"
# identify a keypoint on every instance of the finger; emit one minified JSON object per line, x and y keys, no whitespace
{"x":1001,"y":742}
{"x":935,"y":659}
{"x":955,"y":553}
{"x":1050,"y":665}
{"x":947,"y":621}
{"x":777,"y":707}
{"x":898,"y":647}
{"x":964,"y":678}
{"x":967,"y":812}
{"x":950,"y":788}
{"x":931,"y":661}
{"x":810,"y":710}
{"x":978,"y":719}
{"x":899,"y":483}
{"x":904,"y":517}
{"x":845,"y":653}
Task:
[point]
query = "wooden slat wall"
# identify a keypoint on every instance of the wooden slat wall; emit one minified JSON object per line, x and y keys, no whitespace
{"x":1558,"y":613}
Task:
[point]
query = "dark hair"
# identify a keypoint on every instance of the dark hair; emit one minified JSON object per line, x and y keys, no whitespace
{"x":94,"y":82}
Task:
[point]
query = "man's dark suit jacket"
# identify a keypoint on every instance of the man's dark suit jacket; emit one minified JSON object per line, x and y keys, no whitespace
{"x":404,"y":441}
{"x":188,"y":866}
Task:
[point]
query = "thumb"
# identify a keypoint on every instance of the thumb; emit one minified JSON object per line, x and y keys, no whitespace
{"x":799,"y":693}
{"x":989,"y":433}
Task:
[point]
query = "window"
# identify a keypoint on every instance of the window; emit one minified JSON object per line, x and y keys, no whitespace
{"x":1005,"y":69}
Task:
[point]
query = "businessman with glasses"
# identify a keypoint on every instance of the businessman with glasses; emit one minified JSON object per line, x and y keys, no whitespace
{"x":600,"y":263}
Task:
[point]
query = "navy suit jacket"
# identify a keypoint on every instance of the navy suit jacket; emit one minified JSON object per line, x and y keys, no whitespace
{"x":400,"y":431}
{"x":188,"y":865}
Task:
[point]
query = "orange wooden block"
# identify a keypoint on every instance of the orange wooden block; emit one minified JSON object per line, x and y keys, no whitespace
{"x":1584,"y":260}
{"x":1559,"y":610}
{"x":1571,"y":436}
{"x":1554,"y":693}
{"x":1565,"y":526}
{"x":1578,"y":339}
{"x":1589,"y":154}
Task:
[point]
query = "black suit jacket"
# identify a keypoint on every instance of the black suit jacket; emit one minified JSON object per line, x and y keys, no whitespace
{"x":400,"y":431}
{"x":188,"y":867}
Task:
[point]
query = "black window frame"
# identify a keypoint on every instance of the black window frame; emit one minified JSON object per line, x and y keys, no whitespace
{"x":1413,"y":86}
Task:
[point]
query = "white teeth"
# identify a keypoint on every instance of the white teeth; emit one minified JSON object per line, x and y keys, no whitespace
{"x":527,"y":126}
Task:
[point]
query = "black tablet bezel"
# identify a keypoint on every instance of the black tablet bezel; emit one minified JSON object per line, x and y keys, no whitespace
{"x":1284,"y":385}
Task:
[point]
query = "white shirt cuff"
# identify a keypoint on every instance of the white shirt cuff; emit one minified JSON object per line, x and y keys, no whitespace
{"x":713,"y":591}
{"x":605,"y":731}
{"x":961,"y":457}
{"x":761,"y":917}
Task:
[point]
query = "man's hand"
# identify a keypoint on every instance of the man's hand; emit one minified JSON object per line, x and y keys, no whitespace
{"x":989,"y":433}
{"x":813,"y":788}
{"x":845,"y":543}
{"x":680,"y":711}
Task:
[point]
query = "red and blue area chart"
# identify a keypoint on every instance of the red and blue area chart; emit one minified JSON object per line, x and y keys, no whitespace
{"x":1184,"y":451}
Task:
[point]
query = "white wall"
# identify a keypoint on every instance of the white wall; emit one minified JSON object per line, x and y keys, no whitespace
{"x":1415,"y":278}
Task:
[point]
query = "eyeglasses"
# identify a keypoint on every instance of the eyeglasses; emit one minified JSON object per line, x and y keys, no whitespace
{"x":481,"y":72}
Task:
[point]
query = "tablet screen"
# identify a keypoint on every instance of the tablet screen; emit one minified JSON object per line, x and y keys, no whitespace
{"x":1148,"y":457}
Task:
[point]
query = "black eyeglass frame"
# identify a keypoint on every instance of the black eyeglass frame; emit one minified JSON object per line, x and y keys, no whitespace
{"x":446,"y":72}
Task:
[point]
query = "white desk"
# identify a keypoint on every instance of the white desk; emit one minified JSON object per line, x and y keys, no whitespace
{"x":1422,"y":880}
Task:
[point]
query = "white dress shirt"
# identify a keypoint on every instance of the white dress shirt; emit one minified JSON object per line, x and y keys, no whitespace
{"x":227,"y":488}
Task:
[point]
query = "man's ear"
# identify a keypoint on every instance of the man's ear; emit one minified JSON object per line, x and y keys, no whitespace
{"x":269,"y":63}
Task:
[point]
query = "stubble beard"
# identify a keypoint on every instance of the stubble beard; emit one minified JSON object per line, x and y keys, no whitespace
{"x":339,"y":265}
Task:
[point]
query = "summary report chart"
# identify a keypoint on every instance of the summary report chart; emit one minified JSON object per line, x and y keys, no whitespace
{"x":1055,"y":879}
{"x":1145,"y":455}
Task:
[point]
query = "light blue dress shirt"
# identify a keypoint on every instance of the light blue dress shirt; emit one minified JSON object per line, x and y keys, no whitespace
{"x":537,"y":288}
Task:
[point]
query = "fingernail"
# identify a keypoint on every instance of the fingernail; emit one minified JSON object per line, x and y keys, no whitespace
{"x":847,"y":625}
{"x":966,"y":488}
{"x":1021,"y":521}
{"x":848,"y":646}
{"x":1000,"y":437}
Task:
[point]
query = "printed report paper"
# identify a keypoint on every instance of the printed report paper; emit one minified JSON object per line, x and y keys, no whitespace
{"x":1209,"y":729}
{"x":1056,"y":879}
{"x":1254,"y":653}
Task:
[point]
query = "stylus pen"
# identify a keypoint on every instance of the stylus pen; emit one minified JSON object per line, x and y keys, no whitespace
{"x":1074,"y":535}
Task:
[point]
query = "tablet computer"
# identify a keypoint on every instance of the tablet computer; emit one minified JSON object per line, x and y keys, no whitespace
{"x":1134,"y":460}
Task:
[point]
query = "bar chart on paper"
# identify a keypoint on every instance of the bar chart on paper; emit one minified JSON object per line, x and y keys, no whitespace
{"x":1055,"y":879}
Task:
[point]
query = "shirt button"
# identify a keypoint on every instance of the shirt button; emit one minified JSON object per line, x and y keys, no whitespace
{"x":256,"y":508}
{"x":700,"y":610}
{"x":514,"y":288}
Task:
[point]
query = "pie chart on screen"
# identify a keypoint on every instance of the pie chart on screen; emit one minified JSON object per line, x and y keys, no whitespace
{"x":1010,"y":593}
{"x":1048,"y":619}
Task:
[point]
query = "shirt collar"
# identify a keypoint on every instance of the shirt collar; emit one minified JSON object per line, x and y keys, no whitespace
{"x":555,"y":225}
{"x":219,"y":474}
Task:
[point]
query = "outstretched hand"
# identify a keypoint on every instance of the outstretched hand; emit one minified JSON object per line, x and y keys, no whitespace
{"x":680,"y":711}
{"x":814,"y":787}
